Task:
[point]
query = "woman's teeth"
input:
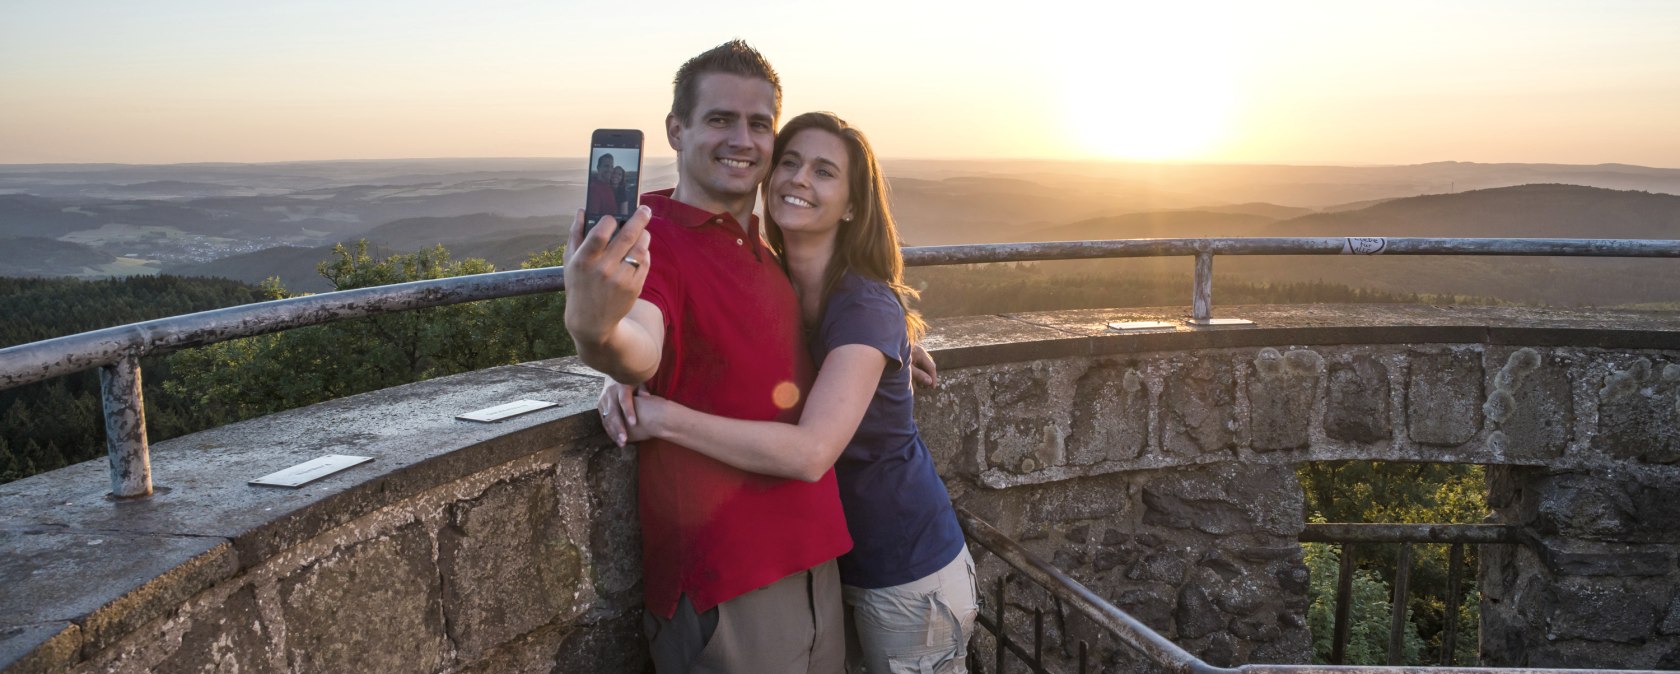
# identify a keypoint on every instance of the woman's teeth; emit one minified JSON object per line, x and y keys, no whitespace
{"x":796,"y":201}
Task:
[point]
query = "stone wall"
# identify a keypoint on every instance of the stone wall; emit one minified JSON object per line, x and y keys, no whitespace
{"x":463,"y":547}
{"x":1164,"y":480}
{"x":1159,"y":469}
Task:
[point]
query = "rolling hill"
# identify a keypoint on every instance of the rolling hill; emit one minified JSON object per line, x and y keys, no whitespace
{"x":503,"y":241}
{"x":36,"y":256}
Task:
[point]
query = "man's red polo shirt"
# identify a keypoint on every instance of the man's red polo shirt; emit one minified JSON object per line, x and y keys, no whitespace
{"x":733,"y":348}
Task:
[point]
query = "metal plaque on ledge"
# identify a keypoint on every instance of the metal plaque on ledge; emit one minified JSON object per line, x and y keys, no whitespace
{"x":1140,"y":326}
{"x":504,"y":411}
{"x":310,"y":471}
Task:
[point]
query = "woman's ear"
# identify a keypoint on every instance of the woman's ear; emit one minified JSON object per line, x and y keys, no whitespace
{"x":848,"y":216}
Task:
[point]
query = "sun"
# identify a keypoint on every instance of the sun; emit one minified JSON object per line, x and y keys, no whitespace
{"x":1149,"y":85}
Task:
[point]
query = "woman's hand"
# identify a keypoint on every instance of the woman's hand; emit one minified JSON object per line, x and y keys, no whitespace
{"x":653,"y":415}
{"x":618,"y":410}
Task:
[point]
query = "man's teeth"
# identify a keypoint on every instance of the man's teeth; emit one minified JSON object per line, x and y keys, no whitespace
{"x":796,"y":201}
{"x":735,"y":163}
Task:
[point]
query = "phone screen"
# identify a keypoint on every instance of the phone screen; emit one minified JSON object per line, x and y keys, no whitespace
{"x":615,"y":172}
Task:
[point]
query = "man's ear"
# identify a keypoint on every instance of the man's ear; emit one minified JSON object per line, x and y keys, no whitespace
{"x":673,"y":129}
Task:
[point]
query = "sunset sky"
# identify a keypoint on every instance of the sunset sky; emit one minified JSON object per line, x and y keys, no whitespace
{"x":1292,"y":82}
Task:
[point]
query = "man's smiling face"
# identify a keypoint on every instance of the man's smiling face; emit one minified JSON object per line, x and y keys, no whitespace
{"x":725,"y":146}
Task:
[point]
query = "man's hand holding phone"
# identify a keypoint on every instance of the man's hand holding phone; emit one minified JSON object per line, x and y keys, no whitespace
{"x":605,"y":269}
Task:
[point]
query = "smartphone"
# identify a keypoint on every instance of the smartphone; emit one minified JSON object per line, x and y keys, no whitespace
{"x":615,"y":174}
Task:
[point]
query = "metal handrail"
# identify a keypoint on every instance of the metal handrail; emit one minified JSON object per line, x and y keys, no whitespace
{"x":116,"y":351}
{"x":1161,"y":651}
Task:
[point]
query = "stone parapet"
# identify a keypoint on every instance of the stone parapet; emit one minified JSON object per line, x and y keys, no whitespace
{"x":1157,"y":468}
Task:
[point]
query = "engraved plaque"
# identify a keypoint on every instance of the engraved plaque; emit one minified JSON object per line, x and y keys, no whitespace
{"x":504,"y":411}
{"x":310,"y":471}
{"x":1136,"y":326}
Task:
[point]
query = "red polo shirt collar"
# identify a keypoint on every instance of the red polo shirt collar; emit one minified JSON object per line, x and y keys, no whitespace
{"x":691,"y":216}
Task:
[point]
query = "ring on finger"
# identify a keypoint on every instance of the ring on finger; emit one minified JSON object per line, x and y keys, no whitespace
{"x":632,"y":262}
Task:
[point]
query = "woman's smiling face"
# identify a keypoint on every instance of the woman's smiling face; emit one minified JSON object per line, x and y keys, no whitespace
{"x":809,"y":190}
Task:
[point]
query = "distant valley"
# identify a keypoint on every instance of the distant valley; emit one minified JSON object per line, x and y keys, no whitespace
{"x":251,"y":222}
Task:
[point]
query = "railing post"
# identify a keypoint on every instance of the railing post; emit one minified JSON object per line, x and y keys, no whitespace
{"x":1344,"y":606}
{"x":1203,"y":301}
{"x":1397,"y":615}
{"x":125,"y":428}
{"x":1449,"y":643}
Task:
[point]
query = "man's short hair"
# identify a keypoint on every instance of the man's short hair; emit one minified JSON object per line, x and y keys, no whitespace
{"x":602,"y":160}
{"x":734,"y":57}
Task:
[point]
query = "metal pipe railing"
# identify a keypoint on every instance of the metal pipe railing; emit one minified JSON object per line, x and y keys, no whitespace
{"x":130,"y":465}
{"x":1159,"y":650}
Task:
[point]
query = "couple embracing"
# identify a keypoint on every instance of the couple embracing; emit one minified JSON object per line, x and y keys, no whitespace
{"x":792,"y":520}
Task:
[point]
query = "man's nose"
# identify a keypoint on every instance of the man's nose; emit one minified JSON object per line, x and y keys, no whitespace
{"x":740,"y":135}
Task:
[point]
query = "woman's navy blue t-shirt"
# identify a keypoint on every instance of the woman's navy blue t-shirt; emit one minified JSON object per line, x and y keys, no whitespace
{"x":900,"y":516}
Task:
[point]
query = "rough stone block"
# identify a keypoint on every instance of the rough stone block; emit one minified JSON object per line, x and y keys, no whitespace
{"x":1090,"y":498}
{"x":1226,"y":499}
{"x":1656,"y":506}
{"x":1621,"y":560}
{"x":948,"y":418}
{"x":1110,"y":415}
{"x":370,"y":606}
{"x":1150,"y":606}
{"x":1281,"y":394}
{"x":1542,"y":417}
{"x":506,"y":564}
{"x":232,"y":639}
{"x":1357,"y":405}
{"x":1577,"y":505}
{"x":1444,"y":397}
{"x":1162,"y":567}
{"x":1638,"y":416}
{"x":1198,"y":409}
{"x":1021,"y":434}
{"x":614,"y":645}
{"x":615,"y":533}
{"x":1622,"y":612}
{"x":1196,"y":616}
{"x":1671,"y":622}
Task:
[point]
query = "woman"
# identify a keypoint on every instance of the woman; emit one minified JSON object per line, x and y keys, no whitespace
{"x":616,"y":182}
{"x":908,"y":581}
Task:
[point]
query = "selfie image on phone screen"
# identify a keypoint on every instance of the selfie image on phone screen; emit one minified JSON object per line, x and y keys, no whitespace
{"x":615,"y":167}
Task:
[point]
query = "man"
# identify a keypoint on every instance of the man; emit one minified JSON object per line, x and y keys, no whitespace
{"x":738,"y":568}
{"x":601,"y":198}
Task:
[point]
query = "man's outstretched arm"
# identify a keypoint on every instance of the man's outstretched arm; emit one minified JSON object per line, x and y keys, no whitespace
{"x":615,"y":332}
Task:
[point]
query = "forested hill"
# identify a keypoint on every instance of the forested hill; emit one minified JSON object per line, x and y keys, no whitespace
{"x":41,"y":308}
{"x":37,"y":256}
{"x":1155,"y":225}
{"x":500,"y":240}
{"x":1546,"y":211}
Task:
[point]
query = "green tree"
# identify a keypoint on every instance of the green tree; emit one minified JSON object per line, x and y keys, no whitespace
{"x":1408,"y":493}
{"x":244,"y":378}
{"x":1369,"y":614}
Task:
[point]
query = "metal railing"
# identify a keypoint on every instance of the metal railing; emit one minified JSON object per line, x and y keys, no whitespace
{"x":116,"y":351}
{"x":1161,"y":652}
{"x":1456,"y":535}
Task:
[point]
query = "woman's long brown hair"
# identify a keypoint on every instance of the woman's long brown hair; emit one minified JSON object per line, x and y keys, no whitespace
{"x":867,"y":244}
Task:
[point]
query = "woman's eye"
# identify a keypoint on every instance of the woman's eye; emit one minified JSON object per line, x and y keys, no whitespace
{"x":825,"y":173}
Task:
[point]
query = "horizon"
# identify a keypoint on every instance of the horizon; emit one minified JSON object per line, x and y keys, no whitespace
{"x":1299,"y":83}
{"x":580,"y":160}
